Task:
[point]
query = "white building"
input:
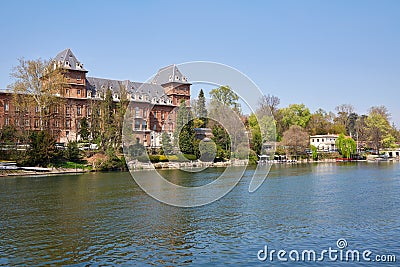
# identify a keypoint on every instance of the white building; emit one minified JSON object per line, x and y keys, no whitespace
{"x":324,"y":142}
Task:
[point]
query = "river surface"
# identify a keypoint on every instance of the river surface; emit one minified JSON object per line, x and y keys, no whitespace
{"x":106,"y":219}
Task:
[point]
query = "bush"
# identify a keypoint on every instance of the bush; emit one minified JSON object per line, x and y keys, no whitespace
{"x":190,"y":157}
{"x":253,"y":158}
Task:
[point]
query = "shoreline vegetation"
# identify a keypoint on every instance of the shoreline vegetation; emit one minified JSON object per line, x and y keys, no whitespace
{"x":140,"y":166}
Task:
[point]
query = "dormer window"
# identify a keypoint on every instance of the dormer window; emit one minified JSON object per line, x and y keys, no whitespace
{"x":177,"y":78}
{"x":170,"y":78}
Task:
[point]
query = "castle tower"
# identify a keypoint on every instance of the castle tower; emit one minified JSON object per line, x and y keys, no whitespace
{"x":175,"y":84}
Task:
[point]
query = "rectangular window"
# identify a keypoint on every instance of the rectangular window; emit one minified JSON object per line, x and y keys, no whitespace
{"x":6,"y":121}
{"x":6,"y":107}
{"x":78,"y":111}
{"x":137,"y":124}
{"x":57,"y":124}
{"x":16,"y":122}
{"x":144,"y":113}
{"x":67,"y":110}
{"x":144,"y":125}
{"x":67,"y":124}
{"x":89,"y":111}
{"x":79,"y":91}
{"x":36,"y":124}
{"x":162,"y":115}
{"x":67,"y":91}
{"x":27,"y":123}
{"x":56,"y":109}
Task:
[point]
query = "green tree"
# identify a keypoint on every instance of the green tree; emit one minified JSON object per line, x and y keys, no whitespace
{"x":8,"y":134}
{"x":72,"y":152}
{"x":41,"y":151}
{"x":202,"y":112}
{"x":166,"y":144}
{"x":207,"y":151}
{"x":256,"y":138}
{"x":346,"y":146}
{"x":295,"y":114}
{"x":378,"y":128}
{"x":226,"y":96}
{"x":184,"y":135}
{"x":84,"y":129}
{"x":137,"y":150}
{"x":222,"y":140}
{"x":314,"y":152}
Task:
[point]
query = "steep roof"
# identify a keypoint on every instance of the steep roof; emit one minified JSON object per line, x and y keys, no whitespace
{"x":67,"y":60}
{"x":169,"y":74}
{"x":151,"y":90}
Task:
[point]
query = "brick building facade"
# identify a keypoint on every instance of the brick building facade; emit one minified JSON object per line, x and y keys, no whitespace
{"x":153,"y":104}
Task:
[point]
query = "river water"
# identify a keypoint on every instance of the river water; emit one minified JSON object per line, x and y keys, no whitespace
{"x":106,"y":219}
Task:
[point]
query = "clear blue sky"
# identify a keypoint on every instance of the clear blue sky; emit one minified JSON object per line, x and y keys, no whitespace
{"x":320,"y":53}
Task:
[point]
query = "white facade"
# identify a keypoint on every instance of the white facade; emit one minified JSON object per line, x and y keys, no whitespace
{"x":324,"y":142}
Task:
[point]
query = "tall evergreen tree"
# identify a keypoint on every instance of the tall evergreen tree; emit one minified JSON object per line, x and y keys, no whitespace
{"x":184,"y":135}
{"x":201,"y":109}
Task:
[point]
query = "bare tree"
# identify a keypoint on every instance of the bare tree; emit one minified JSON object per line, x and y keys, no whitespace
{"x":269,"y":104}
{"x":37,"y":83}
{"x":296,"y":140}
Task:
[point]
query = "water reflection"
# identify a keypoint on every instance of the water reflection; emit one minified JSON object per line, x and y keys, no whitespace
{"x":104,"y":218}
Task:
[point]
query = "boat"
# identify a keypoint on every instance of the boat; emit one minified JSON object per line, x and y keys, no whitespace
{"x":263,"y":159}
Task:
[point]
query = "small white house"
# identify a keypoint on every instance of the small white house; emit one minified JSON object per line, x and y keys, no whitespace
{"x":324,"y":142}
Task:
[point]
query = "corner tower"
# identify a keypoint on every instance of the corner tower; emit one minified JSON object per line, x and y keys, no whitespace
{"x":175,"y":84}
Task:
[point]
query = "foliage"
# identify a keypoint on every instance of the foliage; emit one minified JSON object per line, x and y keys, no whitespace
{"x":314,"y":153}
{"x":72,"y":153}
{"x":136,"y":150}
{"x":378,"y":128}
{"x":346,"y":146}
{"x":184,"y":134}
{"x":256,"y":138}
{"x":222,"y":140}
{"x":295,"y":114}
{"x":41,"y":151}
{"x":226,"y":96}
{"x":166,"y":144}
{"x":202,"y":113}
{"x":8,"y":134}
{"x":207,"y":151}
{"x":84,"y":129}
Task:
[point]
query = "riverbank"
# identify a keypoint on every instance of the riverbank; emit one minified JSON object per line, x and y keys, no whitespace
{"x":138,"y":166}
{"x":39,"y":172}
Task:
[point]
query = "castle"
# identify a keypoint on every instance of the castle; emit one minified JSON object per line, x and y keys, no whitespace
{"x":153,"y":104}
